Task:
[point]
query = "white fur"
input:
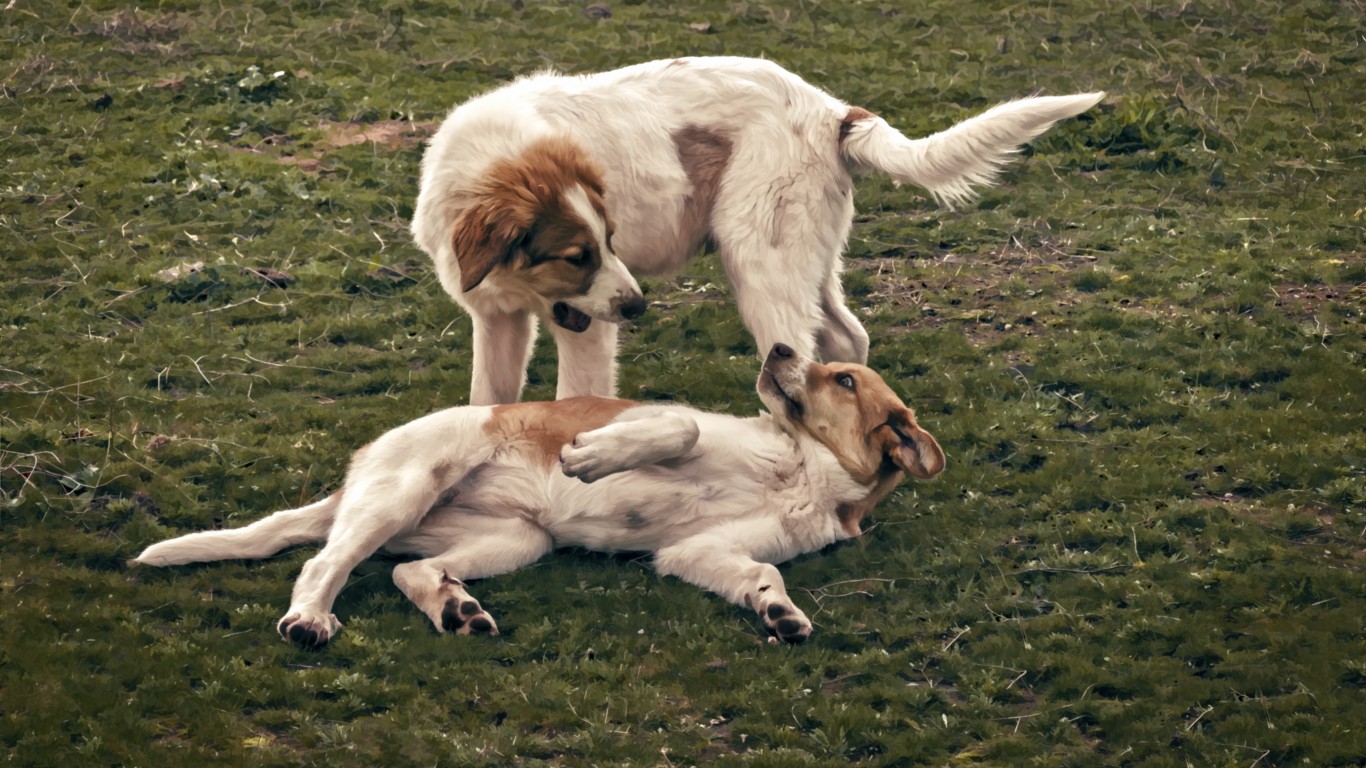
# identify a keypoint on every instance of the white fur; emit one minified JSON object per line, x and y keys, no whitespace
{"x":718,"y":499}
{"x":779,"y":220}
{"x":613,"y":284}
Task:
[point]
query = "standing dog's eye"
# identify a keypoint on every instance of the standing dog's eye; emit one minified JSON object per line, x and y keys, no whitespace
{"x":845,"y":380}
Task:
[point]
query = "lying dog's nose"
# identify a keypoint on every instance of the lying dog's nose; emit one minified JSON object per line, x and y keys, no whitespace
{"x":781,"y":351}
{"x":634,"y":308}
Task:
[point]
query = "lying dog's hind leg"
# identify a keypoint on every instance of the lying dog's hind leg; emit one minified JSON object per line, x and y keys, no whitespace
{"x":372,"y":511}
{"x":487,"y":546}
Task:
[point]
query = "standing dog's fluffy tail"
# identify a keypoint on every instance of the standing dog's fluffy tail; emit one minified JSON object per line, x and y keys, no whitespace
{"x":950,"y":163}
{"x":262,"y":538}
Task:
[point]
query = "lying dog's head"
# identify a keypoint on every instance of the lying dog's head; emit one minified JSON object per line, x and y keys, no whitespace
{"x":852,"y":411}
{"x":538,"y":230}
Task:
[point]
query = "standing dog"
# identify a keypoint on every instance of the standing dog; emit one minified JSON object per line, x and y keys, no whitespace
{"x":478,"y":491}
{"x":536,"y":198}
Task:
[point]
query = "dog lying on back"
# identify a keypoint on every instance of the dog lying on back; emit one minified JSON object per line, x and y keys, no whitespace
{"x":541,"y":199}
{"x":479,"y":491}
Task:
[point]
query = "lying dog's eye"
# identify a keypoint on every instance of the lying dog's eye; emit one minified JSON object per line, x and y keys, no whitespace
{"x":578,"y":259}
{"x":845,"y":380}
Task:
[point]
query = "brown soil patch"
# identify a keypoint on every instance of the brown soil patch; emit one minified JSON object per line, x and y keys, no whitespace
{"x":1309,"y":299}
{"x":990,"y":296}
{"x":391,"y":134}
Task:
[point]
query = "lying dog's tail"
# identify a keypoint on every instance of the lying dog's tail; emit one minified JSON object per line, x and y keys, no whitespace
{"x":262,"y":538}
{"x":950,"y":163}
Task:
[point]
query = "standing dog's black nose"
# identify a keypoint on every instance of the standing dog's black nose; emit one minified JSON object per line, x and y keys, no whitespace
{"x":781,"y":351}
{"x":634,"y":308}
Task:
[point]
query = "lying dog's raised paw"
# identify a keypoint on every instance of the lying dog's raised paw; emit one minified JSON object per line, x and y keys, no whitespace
{"x":308,"y":632}
{"x":583,"y":460}
{"x":785,"y":622}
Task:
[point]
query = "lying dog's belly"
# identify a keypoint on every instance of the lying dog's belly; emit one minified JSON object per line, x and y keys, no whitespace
{"x":644,"y":509}
{"x":641,"y":510}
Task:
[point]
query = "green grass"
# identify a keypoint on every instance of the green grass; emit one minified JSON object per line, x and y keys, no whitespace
{"x":1143,"y":354}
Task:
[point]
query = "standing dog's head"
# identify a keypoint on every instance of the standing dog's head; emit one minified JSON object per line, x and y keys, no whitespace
{"x":537,"y":228}
{"x":852,"y":412}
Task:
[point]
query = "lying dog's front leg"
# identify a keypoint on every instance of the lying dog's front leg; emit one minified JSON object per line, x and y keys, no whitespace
{"x":629,"y":444}
{"x":715,"y":563}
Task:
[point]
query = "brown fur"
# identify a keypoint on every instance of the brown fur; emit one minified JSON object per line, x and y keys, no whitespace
{"x":864,"y":426}
{"x":854,"y":115}
{"x":704,"y":156}
{"x":851,"y":513}
{"x":543,"y":428}
{"x":520,"y":197}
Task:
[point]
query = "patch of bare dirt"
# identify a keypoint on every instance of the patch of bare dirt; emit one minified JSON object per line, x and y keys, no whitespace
{"x":990,"y":296}
{"x":391,"y":134}
{"x":1310,"y":299}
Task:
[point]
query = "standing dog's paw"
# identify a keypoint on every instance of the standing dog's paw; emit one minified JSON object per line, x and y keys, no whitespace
{"x":308,"y":631}
{"x":785,"y":622}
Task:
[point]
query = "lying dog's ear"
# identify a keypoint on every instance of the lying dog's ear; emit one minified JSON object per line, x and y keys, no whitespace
{"x":486,"y":235}
{"x":909,"y":447}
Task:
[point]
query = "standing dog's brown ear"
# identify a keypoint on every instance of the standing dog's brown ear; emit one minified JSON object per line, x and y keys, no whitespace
{"x":909,"y":447}
{"x":487,"y":233}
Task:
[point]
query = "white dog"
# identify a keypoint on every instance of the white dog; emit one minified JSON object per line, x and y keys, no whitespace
{"x":536,"y":198}
{"x":480,"y":491}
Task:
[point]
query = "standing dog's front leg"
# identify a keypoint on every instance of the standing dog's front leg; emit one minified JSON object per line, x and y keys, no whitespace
{"x":587,"y":360}
{"x":629,"y":444}
{"x":714,"y":562}
{"x":502,"y":348}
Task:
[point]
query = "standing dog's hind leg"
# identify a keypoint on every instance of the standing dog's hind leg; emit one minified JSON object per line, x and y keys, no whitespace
{"x":842,"y":338}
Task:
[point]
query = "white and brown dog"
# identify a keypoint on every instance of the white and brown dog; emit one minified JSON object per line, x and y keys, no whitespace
{"x":541,"y":198}
{"x":483,"y":490}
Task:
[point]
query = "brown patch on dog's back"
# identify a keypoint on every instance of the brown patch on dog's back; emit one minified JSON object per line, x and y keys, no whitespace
{"x":542,"y":429}
{"x":854,"y":115}
{"x":704,"y":156}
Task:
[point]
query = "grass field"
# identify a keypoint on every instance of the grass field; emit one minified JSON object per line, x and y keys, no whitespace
{"x":1143,"y":354}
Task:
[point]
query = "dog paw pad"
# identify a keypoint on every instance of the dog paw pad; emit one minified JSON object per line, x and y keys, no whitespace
{"x":785,"y":622}
{"x":466,"y":617}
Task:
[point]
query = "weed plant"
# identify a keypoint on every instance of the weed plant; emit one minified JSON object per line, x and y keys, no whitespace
{"x":1143,"y":353}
